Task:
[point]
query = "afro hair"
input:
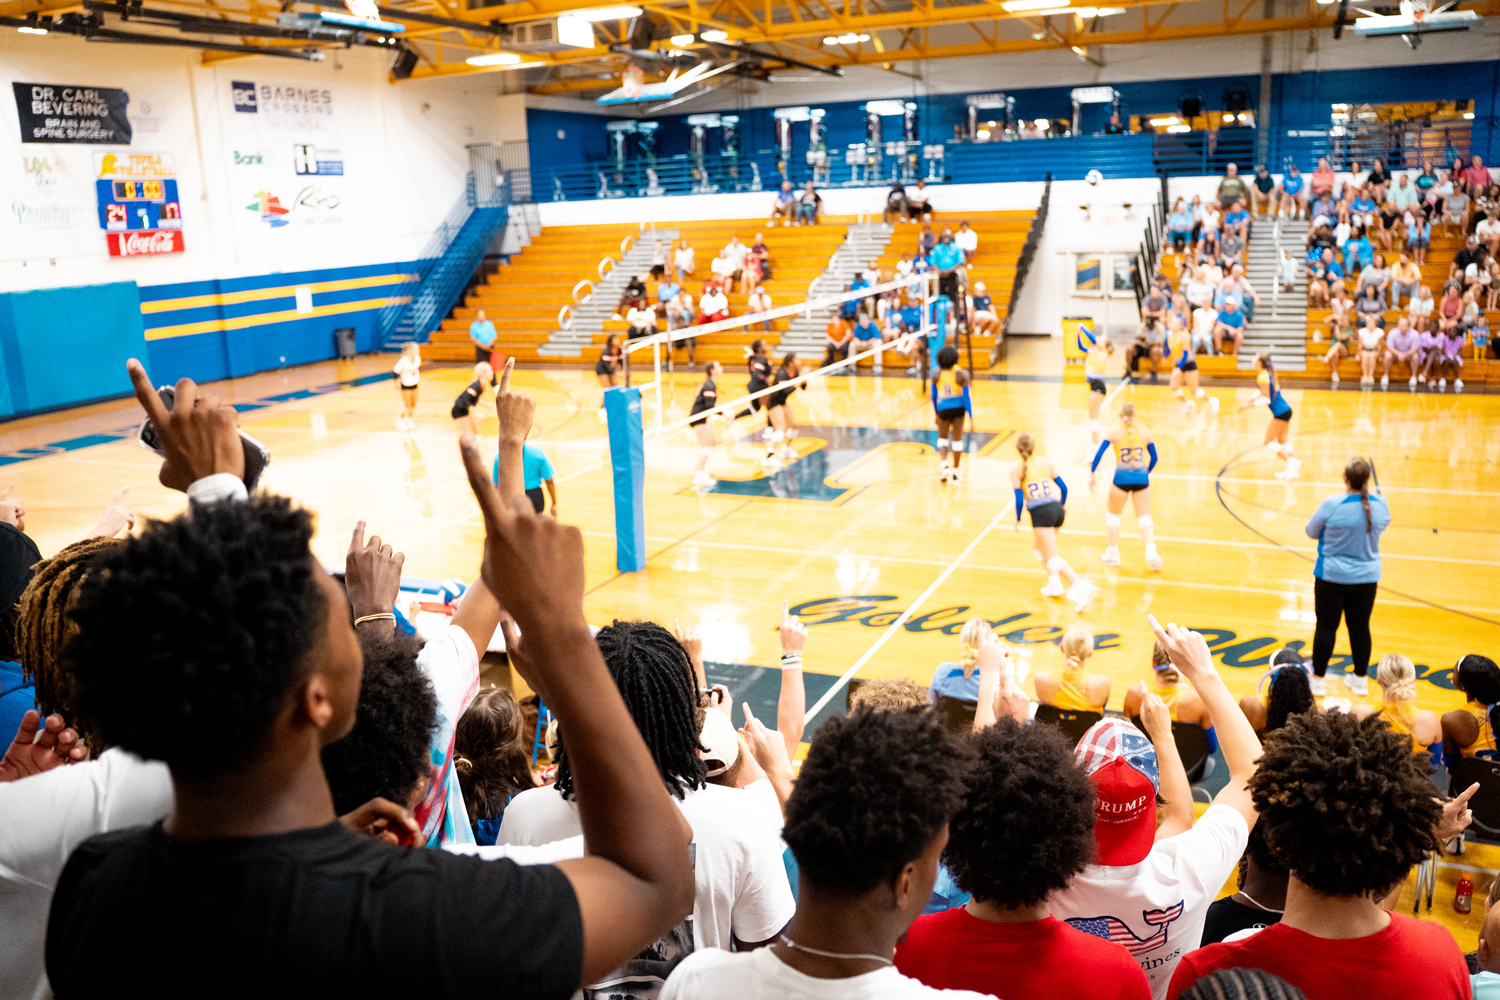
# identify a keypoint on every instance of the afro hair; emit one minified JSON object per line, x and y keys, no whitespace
{"x":1346,"y":806}
{"x":192,"y":634}
{"x":1027,"y":822}
{"x":388,"y":751}
{"x":875,"y":790}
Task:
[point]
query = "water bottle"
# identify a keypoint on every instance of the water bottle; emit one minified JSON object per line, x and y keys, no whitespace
{"x":1463,"y":898}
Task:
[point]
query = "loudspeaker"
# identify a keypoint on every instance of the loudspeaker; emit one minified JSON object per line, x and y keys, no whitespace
{"x":642,"y":33}
{"x":1236,"y":99}
{"x":1192,"y":106}
{"x":406,"y":61}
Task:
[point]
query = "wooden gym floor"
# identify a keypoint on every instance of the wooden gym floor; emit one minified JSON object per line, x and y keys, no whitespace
{"x":859,"y":529}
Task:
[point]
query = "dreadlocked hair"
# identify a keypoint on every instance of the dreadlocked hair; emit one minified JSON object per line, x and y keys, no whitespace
{"x":656,"y":681}
{"x":1357,"y":475}
{"x":491,"y":757}
{"x":1347,"y":806}
{"x":43,"y":627}
{"x":1290,"y":694}
{"x":1025,"y":447}
{"x":1242,"y":984}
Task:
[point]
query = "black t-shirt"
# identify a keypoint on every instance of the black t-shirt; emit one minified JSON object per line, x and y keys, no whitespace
{"x":1265,"y":185}
{"x":707,"y":398}
{"x":319,"y":912}
{"x":981,"y":303}
{"x":760,"y":372}
{"x":1228,"y":915}
{"x":467,"y":398}
{"x":1465,"y":257}
{"x":1378,"y":177}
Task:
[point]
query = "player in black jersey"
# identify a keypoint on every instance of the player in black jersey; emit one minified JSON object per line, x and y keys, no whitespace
{"x":760,"y":376}
{"x":783,"y":420}
{"x":463,"y":406}
{"x":607,"y":365}
{"x":707,"y":399}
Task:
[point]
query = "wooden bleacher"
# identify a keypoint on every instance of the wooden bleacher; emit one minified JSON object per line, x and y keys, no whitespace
{"x":522,"y":299}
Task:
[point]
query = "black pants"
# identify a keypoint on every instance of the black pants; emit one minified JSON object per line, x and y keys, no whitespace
{"x":835,"y":354}
{"x":535,"y":495}
{"x":1352,"y":601}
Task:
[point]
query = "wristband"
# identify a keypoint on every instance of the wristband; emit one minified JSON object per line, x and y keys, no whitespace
{"x":374,"y":618}
{"x":791,"y":661}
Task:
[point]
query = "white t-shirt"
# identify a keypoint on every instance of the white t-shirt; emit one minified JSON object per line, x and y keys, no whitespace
{"x":684,"y":258}
{"x":1204,"y":320}
{"x":760,"y":975}
{"x":713,"y":302}
{"x":1156,"y":908}
{"x":1421,"y":307}
{"x":741,"y":882}
{"x":1487,"y":229}
{"x":903,"y":268}
{"x":641,"y":318}
{"x":967,"y":239}
{"x":723,"y":266}
{"x":408,"y":371}
{"x":42,"y":819}
{"x":737,"y":253}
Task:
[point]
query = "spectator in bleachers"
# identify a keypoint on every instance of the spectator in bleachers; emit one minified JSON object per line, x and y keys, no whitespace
{"x":1486,"y":201}
{"x":1430,"y":345}
{"x":1350,"y":182}
{"x":809,"y":206}
{"x":1371,"y":342}
{"x":1321,"y":275}
{"x":967,"y":240}
{"x":659,"y":254}
{"x":926,"y":240}
{"x":1205,"y":319}
{"x":1493,"y":293}
{"x":751,"y":275}
{"x":1405,"y":194}
{"x":1479,"y":335}
{"x":1264,"y":191}
{"x":1231,"y":248}
{"x":1261,"y":896}
{"x":888,"y":694}
{"x":1235,"y":283}
{"x":921,"y":201}
{"x":1178,"y":874}
{"x":1341,"y":309}
{"x":761,"y":253}
{"x":1074,"y":689}
{"x":759,"y":301}
{"x":866,"y":823}
{"x":1341,"y":346}
{"x":492,"y":757}
{"x":1358,"y":252}
{"x":1425,"y":181}
{"x":1025,"y":829}
{"x":1230,"y":327}
{"x":737,"y":252}
{"x":896,"y":203}
{"x":1322,"y":180}
{"x":713,"y":305}
{"x":1180,"y":225}
{"x":1208,"y":231}
{"x":849,"y":308}
{"x":865,"y":335}
{"x":1378,"y":181}
{"x":1363,"y":208}
{"x":1294,"y":193}
{"x":1376,"y":275}
{"x":1418,"y":233}
{"x":1476,"y":174}
{"x":1324,"y":211}
{"x":1198,"y":290}
{"x":1154,"y":305}
{"x":1195,"y":206}
{"x":836,"y":338}
{"x":1402,"y":345}
{"x":680,"y":310}
{"x":1237,"y":219}
{"x":633,"y":297}
{"x":1342,"y":862}
{"x":1450,"y":309}
{"x":1472,"y":253}
{"x":723,"y":271}
{"x":982,"y":312}
{"x":666,"y":291}
{"x":1388,"y":227}
{"x":783,"y":206}
{"x":1487,"y":231}
{"x":1406,"y":278}
{"x":640,"y":322}
{"x":1456,"y":208}
{"x":683,"y":260}
{"x":949,"y":261}
{"x":1232,"y":189}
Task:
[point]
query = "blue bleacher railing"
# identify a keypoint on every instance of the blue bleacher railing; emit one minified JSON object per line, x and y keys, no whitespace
{"x":1403,"y":145}
{"x":441,"y":272}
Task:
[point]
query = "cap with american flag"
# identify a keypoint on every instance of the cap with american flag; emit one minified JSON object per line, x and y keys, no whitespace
{"x":1121,"y":763}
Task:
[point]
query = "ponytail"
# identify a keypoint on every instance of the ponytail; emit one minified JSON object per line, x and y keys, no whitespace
{"x":1357,"y":475}
{"x":1025,"y":446}
{"x":1077,"y":646}
{"x":968,"y":641}
{"x":1127,"y":413}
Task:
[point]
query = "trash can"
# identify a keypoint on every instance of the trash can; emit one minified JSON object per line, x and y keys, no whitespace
{"x":1078,"y":337}
{"x":343,"y":341}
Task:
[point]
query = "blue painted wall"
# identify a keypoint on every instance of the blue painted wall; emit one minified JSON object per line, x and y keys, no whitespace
{"x":1300,"y":99}
{"x":67,"y":345}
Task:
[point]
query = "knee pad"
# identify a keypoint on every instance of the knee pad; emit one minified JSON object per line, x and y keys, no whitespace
{"x":1145,"y":522}
{"x":773,"y":436}
{"x":1274,"y":447}
{"x":1112,"y":520}
{"x":1285,"y":451}
{"x":791,"y":433}
{"x":1055,"y":564}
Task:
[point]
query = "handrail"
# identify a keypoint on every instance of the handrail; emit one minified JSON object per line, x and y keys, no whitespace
{"x":1023,"y":265}
{"x":625,"y":244}
{"x":565,"y":318}
{"x":607,"y":260}
{"x":1276,"y":268}
{"x":576,"y":299}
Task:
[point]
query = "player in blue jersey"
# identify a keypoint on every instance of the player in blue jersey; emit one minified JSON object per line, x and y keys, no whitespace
{"x":937,"y":333}
{"x":1042,"y":492}
{"x":950,"y":402}
{"x":1268,"y":393}
{"x":1135,"y":457}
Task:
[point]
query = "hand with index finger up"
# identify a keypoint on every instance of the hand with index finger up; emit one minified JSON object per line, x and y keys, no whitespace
{"x":200,"y":436}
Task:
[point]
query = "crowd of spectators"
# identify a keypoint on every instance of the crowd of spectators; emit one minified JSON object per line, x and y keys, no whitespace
{"x":243,"y":769}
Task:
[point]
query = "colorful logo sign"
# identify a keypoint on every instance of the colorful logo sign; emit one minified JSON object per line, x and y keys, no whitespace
{"x":243,"y":94}
{"x":145,"y":242}
{"x":312,"y":161}
{"x":272,"y":212}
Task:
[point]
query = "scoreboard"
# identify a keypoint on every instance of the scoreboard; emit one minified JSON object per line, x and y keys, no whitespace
{"x":137,"y":195}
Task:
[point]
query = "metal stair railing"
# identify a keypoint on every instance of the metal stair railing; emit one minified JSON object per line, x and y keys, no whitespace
{"x":1023,"y":265}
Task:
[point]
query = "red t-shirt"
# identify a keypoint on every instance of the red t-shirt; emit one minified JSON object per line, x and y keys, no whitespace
{"x":1037,"y":960}
{"x":1409,"y":960}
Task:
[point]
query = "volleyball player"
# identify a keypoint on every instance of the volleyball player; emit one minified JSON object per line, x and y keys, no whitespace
{"x":463,"y":406}
{"x":1135,"y":457}
{"x":1185,"y":370}
{"x":783,"y":420}
{"x":707,"y":399}
{"x":950,"y":401}
{"x":1268,"y":392}
{"x":1093,"y":368}
{"x":760,"y":376}
{"x":1040,"y":490}
{"x":607,"y":365}
{"x":408,"y":376}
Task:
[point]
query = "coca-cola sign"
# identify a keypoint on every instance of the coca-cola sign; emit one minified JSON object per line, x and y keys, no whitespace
{"x":144,"y":242}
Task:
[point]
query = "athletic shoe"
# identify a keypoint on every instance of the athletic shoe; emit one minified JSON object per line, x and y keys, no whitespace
{"x":1412,"y":381}
{"x":1334,"y":376}
{"x":1319,"y":685}
{"x":1385,"y":380}
{"x":943,"y":474}
{"x":1054,"y":590}
{"x":788,"y":452}
{"x":1358,"y":685}
{"x":956,"y":477}
{"x":1199,"y":394}
{"x":1082,"y":595}
{"x":770,"y":462}
{"x":1458,"y":385}
{"x":1110,"y":556}
{"x":1213,"y":404}
{"x":1442,"y":384}
{"x":400,"y":423}
{"x":702,"y":479}
{"x":1153,"y":559}
{"x":1187,"y":407}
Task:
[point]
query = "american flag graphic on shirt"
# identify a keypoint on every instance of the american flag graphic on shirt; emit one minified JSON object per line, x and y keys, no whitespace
{"x":1112,"y":928}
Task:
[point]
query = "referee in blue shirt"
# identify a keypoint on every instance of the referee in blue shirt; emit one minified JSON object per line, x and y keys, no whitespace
{"x":536,"y":469}
{"x":1347,"y":528}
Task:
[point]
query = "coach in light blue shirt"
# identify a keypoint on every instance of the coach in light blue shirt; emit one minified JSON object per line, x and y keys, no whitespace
{"x":536,"y":472}
{"x":1347,"y":573}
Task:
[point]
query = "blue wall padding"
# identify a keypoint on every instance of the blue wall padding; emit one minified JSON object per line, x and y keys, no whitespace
{"x":62,"y":346}
{"x":627,"y":459}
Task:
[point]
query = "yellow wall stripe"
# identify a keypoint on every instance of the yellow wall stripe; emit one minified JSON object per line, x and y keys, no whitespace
{"x":261,"y":294}
{"x":283,"y":316}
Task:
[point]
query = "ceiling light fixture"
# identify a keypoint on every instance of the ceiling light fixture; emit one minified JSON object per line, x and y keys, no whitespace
{"x":1179,"y":128}
{"x":683,"y":41}
{"x":494,"y":59}
{"x":830,"y":40}
{"x":1229,"y":118}
{"x":1016,"y":6}
{"x":714,"y":35}
{"x":608,"y":13}
{"x":28,"y":30}
{"x":1164,"y":121}
{"x":1467,"y":114}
